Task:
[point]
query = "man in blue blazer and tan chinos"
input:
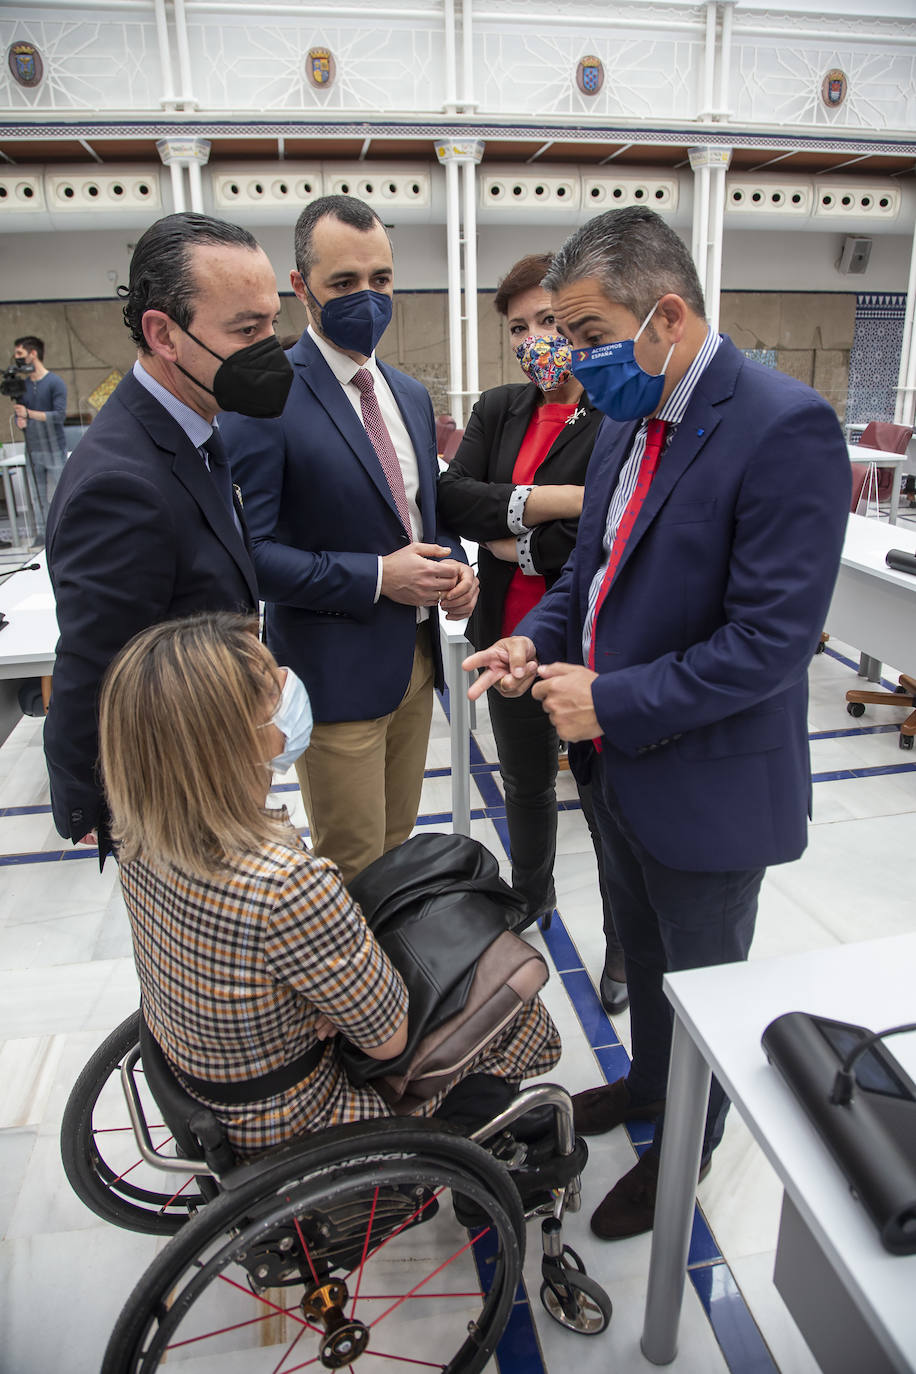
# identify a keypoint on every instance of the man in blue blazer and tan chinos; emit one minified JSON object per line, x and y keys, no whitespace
{"x":340,"y":498}
{"x":674,"y":649}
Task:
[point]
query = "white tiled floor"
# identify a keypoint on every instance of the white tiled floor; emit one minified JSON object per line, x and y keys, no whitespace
{"x":66,"y":979}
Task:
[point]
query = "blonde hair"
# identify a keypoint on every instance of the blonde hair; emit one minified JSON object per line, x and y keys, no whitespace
{"x":181,"y":748}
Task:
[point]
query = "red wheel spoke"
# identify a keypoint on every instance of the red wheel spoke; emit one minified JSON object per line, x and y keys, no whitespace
{"x":443,"y":1265}
{"x":278,"y":1368}
{"x":305,"y":1248}
{"x":386,"y":1297}
{"x":362,"y":1263}
{"x":405,"y":1359}
{"x":120,"y":1130}
{"x":136,"y":1164}
{"x":236,"y":1326}
{"x":404,"y":1224}
{"x":259,"y":1297}
{"x":187,"y":1183}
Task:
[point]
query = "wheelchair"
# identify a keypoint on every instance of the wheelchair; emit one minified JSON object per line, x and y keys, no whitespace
{"x":370,"y":1244}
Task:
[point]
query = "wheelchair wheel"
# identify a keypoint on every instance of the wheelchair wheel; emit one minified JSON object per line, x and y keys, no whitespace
{"x":100,"y":1155}
{"x":316,"y":1257}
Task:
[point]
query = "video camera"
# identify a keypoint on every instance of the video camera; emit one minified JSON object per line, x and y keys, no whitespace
{"x":12,"y":381}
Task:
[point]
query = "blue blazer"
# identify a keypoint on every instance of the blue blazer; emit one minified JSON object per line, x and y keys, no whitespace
{"x":137,"y":534}
{"x":704,"y":640}
{"x":320,"y":512}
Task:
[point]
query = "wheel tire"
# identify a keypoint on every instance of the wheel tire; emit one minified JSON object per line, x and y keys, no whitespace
{"x":855,"y":708}
{"x":905,"y":741}
{"x":594,"y":1305}
{"x":340,"y":1174}
{"x":111,"y":1190}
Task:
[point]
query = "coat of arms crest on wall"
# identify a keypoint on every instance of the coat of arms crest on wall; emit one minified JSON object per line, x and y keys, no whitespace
{"x":590,"y":75}
{"x":25,"y":64}
{"x":320,"y":67}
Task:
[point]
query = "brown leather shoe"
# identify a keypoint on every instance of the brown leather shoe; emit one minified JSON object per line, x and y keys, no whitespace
{"x":629,"y":1208}
{"x":601,"y":1109}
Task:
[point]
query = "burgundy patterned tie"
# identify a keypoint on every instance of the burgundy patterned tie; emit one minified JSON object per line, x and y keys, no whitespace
{"x":381,"y":442}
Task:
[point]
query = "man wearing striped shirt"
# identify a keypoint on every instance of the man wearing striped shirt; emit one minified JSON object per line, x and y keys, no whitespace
{"x":674,"y":649}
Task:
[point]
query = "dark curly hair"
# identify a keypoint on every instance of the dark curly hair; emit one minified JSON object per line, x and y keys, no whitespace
{"x":160,"y":269}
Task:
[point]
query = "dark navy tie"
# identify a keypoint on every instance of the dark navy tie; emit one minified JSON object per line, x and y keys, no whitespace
{"x":219,"y":469}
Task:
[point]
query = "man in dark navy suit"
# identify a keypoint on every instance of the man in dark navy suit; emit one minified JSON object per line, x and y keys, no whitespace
{"x":144,"y":525}
{"x":340,"y":495}
{"x":674,"y":649}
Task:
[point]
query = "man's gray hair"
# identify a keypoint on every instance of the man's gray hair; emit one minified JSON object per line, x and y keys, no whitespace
{"x":635,"y":256}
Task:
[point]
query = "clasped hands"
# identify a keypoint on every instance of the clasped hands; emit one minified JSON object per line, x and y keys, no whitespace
{"x":427,"y":574}
{"x":563,"y":689}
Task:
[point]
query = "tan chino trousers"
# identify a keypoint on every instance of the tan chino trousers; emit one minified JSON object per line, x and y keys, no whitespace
{"x":361,"y":779}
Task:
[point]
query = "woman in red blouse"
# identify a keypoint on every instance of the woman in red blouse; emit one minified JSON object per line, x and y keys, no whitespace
{"x":515,"y":486}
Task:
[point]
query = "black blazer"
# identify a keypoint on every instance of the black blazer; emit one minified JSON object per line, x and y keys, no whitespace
{"x":137,"y":534}
{"x":474,"y":492}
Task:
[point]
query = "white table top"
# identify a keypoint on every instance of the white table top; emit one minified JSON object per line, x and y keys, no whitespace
{"x":866,"y":543}
{"x":879,"y":456}
{"x":28,"y":642}
{"x":726,"y":1009}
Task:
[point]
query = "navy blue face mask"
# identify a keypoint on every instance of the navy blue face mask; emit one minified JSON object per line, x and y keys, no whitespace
{"x":614,"y":380}
{"x":355,"y":322}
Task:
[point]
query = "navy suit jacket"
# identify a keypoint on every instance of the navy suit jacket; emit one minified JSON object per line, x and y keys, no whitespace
{"x":320,"y":512}
{"x":137,"y":533}
{"x":703,"y":643}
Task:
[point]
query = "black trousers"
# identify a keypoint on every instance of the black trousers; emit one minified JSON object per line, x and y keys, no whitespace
{"x":668,"y":919}
{"x":527,"y":745}
{"x":527,"y":748}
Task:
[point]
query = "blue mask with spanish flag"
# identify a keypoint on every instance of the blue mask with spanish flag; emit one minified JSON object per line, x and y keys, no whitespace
{"x":615,"y":382}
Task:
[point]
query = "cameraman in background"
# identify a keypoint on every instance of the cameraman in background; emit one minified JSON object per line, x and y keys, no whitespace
{"x":41,"y":409}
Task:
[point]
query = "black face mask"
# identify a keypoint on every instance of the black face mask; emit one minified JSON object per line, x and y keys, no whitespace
{"x":254,"y":381}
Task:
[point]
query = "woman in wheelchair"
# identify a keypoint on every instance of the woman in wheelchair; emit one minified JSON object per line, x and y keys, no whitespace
{"x":252,"y":957}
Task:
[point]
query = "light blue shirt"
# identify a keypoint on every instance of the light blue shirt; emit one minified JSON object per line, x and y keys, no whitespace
{"x":195,"y":426}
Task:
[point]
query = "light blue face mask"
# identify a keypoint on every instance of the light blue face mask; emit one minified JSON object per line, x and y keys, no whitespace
{"x":614,"y":380}
{"x":293,"y":718}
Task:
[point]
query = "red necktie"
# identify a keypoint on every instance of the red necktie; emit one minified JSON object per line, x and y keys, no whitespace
{"x":655,"y":440}
{"x":381,"y":442}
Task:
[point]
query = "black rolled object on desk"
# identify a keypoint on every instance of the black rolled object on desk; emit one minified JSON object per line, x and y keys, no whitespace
{"x":873,"y":1136}
{"x":901,"y":561}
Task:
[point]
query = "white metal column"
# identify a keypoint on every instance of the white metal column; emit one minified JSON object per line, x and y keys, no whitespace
{"x":709,"y":166}
{"x":452,"y":156}
{"x":471,"y":345}
{"x":192,"y":153}
{"x":905,"y":408}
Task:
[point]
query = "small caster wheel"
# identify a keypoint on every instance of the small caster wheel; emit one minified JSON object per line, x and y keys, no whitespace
{"x":821,"y":646}
{"x":905,"y":741}
{"x":577,"y":1302}
{"x":855,"y":708}
{"x":901,"y":691}
{"x":569,"y":1296}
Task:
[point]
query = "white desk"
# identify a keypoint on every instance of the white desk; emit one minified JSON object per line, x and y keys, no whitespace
{"x":878,"y":458}
{"x":720,"y":1015}
{"x":28,"y":642}
{"x":874,"y":607}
